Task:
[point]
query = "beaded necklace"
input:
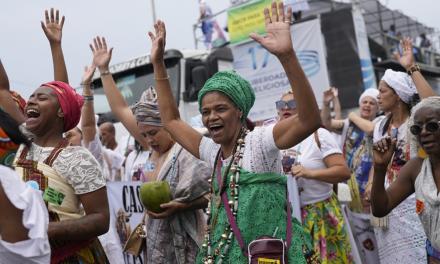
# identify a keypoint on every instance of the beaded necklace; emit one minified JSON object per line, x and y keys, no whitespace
{"x":234,"y":167}
{"x":391,"y":176}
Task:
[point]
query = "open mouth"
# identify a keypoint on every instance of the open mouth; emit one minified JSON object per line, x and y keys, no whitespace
{"x":155,"y":148}
{"x":32,"y":114}
{"x":287,"y":115}
{"x":428,"y":144}
{"x":215,"y":129}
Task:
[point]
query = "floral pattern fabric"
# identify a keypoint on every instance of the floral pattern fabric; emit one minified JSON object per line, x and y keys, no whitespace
{"x":324,"y":221}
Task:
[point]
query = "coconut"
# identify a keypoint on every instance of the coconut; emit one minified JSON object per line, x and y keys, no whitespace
{"x":155,"y":193}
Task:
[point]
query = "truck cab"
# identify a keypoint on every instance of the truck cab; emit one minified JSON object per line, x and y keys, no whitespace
{"x":188,"y":71}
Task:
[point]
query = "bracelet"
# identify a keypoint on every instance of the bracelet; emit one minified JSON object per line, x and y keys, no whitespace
{"x":88,"y":103}
{"x":105,"y":73}
{"x":413,"y":69}
{"x":326,"y":103}
{"x":89,"y":98}
{"x":162,"y":79}
{"x":368,"y":184}
{"x":88,"y":82}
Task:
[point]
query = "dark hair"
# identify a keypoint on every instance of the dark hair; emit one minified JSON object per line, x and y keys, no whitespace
{"x":414,"y":100}
{"x":137,"y":146}
{"x":249,"y":125}
{"x":9,"y":125}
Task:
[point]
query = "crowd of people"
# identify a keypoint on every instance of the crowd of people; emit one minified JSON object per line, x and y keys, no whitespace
{"x":234,"y":187}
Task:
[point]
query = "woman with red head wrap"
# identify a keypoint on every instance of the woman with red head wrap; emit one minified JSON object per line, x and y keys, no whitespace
{"x":69,"y":175}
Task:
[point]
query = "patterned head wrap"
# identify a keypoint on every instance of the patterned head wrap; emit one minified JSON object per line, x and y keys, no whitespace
{"x":401,"y":83}
{"x":19,"y":101}
{"x":234,"y":86}
{"x":146,"y":111}
{"x":8,"y":149}
{"x":286,"y":93}
{"x":70,"y":102}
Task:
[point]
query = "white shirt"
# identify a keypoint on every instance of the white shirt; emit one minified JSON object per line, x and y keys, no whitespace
{"x":133,"y":163}
{"x":35,"y":218}
{"x":312,"y":158}
{"x":116,"y":160}
{"x":126,"y":143}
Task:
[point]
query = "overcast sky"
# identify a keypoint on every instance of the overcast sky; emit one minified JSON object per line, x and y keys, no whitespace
{"x":25,"y":52}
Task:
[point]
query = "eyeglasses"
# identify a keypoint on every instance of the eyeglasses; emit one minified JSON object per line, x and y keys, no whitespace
{"x":281,"y":104}
{"x":431,"y":127}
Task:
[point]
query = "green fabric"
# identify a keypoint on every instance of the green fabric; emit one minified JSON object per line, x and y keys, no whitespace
{"x":234,"y":86}
{"x":261,"y":209}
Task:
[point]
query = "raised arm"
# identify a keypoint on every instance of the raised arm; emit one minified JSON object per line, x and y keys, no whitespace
{"x":365,"y":125}
{"x":407,"y":62}
{"x":183,"y":133}
{"x":337,"y":104}
{"x":6,"y":100}
{"x":54,"y":31}
{"x":383,"y":201}
{"x":332,"y":125}
{"x":295,"y":129}
{"x":88,"y":122}
{"x":118,"y":105}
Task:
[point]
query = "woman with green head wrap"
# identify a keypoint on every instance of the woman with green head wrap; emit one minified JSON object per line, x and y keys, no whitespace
{"x":247,"y":165}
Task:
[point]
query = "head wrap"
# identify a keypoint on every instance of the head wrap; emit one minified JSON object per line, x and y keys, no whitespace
{"x":286,"y":93}
{"x":8,"y":149}
{"x":19,"y":101}
{"x":70,"y":102}
{"x":371,"y":92}
{"x":234,"y":86}
{"x":401,"y":83}
{"x":146,"y":111}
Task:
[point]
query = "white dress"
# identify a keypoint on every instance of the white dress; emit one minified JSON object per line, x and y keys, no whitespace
{"x":135,"y":161}
{"x":404,"y":240}
{"x":35,"y":250}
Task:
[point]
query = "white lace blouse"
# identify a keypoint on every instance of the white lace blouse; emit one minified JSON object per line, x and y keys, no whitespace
{"x":260,"y":154}
{"x":75,"y":164}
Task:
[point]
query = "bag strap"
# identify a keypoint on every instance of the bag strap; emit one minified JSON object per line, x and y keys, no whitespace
{"x":234,"y":223}
{"x":317,"y":139}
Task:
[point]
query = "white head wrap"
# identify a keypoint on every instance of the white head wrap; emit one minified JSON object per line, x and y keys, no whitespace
{"x":401,"y":83}
{"x":371,"y":92}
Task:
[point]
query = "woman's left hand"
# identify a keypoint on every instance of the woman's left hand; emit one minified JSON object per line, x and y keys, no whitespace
{"x":300,"y":172}
{"x":407,"y":58}
{"x":88,"y":73}
{"x":170,"y":208}
{"x":278,"y":40}
{"x":53,"y":28}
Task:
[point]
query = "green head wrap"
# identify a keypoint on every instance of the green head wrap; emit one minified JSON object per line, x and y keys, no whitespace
{"x":234,"y":86}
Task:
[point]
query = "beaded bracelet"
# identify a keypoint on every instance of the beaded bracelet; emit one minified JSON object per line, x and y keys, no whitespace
{"x":413,"y":69}
{"x":162,"y":79}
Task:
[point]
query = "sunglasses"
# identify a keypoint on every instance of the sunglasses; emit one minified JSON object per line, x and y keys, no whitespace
{"x":431,"y":127}
{"x":281,"y":104}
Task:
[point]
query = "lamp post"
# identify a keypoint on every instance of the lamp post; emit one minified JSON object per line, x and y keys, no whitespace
{"x":154,"y":11}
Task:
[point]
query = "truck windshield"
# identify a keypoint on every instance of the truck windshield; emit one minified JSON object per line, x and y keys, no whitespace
{"x":133,"y":82}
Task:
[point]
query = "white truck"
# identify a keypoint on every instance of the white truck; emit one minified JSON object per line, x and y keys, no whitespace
{"x":188,"y":71}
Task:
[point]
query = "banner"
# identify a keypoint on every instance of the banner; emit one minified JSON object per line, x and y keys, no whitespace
{"x":266,"y":75}
{"x":126,"y":212}
{"x":245,"y":19}
{"x":364,"y":50}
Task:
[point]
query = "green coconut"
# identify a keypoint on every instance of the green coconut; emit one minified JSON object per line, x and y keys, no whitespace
{"x":155,"y":193}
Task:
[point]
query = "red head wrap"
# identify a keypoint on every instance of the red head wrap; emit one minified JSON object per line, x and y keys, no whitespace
{"x":70,"y":101}
{"x":19,"y":101}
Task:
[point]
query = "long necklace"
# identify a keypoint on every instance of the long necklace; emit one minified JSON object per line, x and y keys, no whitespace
{"x":234,"y":167}
{"x":391,"y":176}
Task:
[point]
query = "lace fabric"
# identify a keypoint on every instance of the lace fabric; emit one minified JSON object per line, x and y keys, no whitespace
{"x":75,"y":164}
{"x":260,"y":155}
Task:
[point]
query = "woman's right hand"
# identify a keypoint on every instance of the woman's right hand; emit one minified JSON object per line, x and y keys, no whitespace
{"x":101,"y":57}
{"x":367,"y":193}
{"x":407,"y":58}
{"x":383,"y":151}
{"x":88,"y":73}
{"x":328,"y":95}
{"x":158,"y":42}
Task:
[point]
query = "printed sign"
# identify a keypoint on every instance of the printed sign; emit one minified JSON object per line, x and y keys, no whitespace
{"x":53,"y":196}
{"x":245,"y":19}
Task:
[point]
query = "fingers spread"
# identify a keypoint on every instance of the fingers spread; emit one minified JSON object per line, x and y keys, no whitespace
{"x":274,"y":11}
{"x":110,"y":51}
{"x":151,"y":36}
{"x":104,"y":43}
{"x":281,"y":10}
{"x":267,"y":18}
{"x":47,"y":17}
{"x":92,"y":49}
{"x":256,"y":37}
{"x":57,"y":17}
{"x":289,"y":14}
{"x":62,"y":22}
{"x":99,"y":43}
{"x":96,"y":44}
{"x":52,"y":18}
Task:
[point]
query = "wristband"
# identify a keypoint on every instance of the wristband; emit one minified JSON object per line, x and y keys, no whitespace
{"x":105,"y":73}
{"x":326,"y":103}
{"x":368,"y":184}
{"x":413,"y":69}
{"x":162,"y":79}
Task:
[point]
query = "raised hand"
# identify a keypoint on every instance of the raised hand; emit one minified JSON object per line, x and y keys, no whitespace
{"x":328,"y":95}
{"x":88,"y":73}
{"x":335,"y":91}
{"x":53,"y":28}
{"x":158,"y":42}
{"x":383,"y":151}
{"x":407,"y":58}
{"x":278,"y":40}
{"x":101,"y":57}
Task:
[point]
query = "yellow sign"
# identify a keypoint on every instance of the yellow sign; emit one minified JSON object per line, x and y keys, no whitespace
{"x":247,"y":18}
{"x":268,"y":261}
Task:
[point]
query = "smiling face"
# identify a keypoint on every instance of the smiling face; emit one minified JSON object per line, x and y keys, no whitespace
{"x":387,"y":98}
{"x":157,"y":137}
{"x":286,"y":112}
{"x":43,"y":111}
{"x":221,"y":116}
{"x":368,"y":108}
{"x":429,"y":141}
